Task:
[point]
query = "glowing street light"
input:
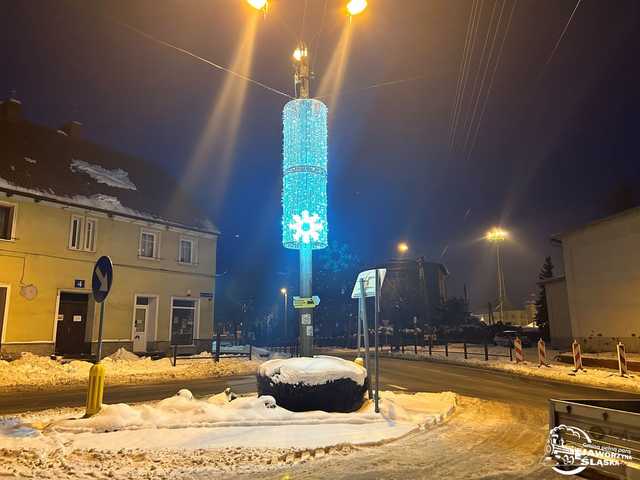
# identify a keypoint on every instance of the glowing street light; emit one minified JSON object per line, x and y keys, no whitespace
{"x":403,"y":247}
{"x":299,"y":53}
{"x":355,"y":7}
{"x":496,"y":236}
{"x":258,"y":4}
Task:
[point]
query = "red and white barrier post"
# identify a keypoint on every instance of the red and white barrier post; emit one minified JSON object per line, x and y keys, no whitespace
{"x":542,"y":354}
{"x":577,"y":356}
{"x":517,"y":346}
{"x":622,"y":360}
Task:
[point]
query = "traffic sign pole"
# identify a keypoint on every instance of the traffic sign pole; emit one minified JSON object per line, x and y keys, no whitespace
{"x":99,"y":355}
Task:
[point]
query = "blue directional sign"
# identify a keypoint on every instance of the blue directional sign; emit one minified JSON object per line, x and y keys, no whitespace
{"x":102,"y":279}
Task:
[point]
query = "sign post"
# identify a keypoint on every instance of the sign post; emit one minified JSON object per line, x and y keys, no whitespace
{"x":101,"y":282}
{"x":369,"y":284}
{"x":376,"y":341}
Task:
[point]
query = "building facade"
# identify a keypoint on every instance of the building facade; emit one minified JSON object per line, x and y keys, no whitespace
{"x":64,"y":202}
{"x":598,"y":299}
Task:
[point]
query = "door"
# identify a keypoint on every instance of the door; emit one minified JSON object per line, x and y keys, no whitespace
{"x":140,"y":328}
{"x":72,"y":324}
{"x":3,"y":308}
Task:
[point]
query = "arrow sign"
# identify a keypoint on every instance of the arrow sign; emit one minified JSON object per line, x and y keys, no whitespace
{"x":102,"y":279}
{"x":306,"y":302}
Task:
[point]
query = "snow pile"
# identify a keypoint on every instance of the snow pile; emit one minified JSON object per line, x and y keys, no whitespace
{"x":123,"y":354}
{"x":181,"y":422}
{"x":312,"y":370}
{"x":114,"y":178}
{"x":30,"y":372}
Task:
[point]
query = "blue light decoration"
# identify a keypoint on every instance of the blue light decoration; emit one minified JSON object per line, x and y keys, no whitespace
{"x":304,"y":170}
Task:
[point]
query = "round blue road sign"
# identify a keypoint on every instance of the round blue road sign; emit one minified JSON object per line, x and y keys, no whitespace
{"x":102,"y":279}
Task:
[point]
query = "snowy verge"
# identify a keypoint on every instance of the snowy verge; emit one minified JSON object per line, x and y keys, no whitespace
{"x":181,"y":422}
{"x":33,"y":372}
{"x":592,"y":377}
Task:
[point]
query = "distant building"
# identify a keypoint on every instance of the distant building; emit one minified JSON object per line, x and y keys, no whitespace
{"x":512,"y":315}
{"x":64,"y":202}
{"x":598,"y":299}
{"x":413,"y":289}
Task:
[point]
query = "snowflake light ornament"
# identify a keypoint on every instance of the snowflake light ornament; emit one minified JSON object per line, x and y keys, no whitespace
{"x":306,"y":227}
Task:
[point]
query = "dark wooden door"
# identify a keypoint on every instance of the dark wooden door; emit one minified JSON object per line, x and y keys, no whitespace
{"x":72,"y":324}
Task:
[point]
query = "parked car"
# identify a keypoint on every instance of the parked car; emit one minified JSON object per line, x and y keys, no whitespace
{"x":506,"y":338}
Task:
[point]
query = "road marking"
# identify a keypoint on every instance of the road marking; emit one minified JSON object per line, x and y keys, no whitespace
{"x":398,"y":387}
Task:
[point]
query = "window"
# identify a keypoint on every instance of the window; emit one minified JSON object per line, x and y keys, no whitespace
{"x":90,"y":235}
{"x":148,"y":244}
{"x":75,"y":233}
{"x":6,"y":222}
{"x":82,"y":233}
{"x":183,"y":319}
{"x":187,"y":253}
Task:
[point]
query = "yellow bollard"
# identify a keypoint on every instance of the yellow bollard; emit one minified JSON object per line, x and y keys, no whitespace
{"x":96,"y":389}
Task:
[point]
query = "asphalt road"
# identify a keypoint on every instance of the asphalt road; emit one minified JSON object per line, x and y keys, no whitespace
{"x":396,"y":374}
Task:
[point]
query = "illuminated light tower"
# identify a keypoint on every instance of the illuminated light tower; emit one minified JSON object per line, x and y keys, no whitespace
{"x":304,"y":184}
{"x":497,"y":235}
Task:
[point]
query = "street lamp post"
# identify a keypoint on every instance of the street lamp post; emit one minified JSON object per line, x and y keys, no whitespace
{"x":286,"y":305}
{"x":496,"y":236}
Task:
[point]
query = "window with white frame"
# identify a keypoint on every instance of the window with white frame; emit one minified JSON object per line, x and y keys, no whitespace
{"x":75,"y":233}
{"x":7,"y":212}
{"x":148,"y":244}
{"x":83,"y":233}
{"x":187,"y":251}
{"x":91,"y":225}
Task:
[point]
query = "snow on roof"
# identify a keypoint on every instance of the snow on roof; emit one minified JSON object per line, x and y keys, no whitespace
{"x":312,"y":371}
{"x":103,"y":202}
{"x":114,"y":178}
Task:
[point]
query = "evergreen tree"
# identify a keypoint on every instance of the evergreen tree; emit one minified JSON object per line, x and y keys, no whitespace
{"x":542,"y":313}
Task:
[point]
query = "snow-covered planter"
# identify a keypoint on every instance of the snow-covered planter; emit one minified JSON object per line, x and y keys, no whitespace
{"x":323,"y":383}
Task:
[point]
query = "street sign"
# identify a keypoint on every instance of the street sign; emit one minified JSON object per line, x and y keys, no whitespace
{"x":306,"y":302}
{"x":369,"y":277}
{"x":102,"y":279}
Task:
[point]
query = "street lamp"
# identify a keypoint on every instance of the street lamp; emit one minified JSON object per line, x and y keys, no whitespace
{"x":496,"y":236}
{"x":355,"y":7}
{"x":403,"y":248}
{"x":258,"y":4}
{"x":283,"y":291}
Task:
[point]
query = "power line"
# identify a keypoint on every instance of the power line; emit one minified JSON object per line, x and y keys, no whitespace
{"x":466,"y":75}
{"x":493,"y":73}
{"x":564,"y":30}
{"x":486,"y":70}
{"x":463,"y":64}
{"x":376,"y":85}
{"x":197,"y":57}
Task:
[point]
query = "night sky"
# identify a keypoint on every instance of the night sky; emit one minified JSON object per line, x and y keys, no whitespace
{"x":556,"y":146}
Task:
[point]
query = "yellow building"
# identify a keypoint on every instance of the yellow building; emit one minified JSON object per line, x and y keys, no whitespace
{"x":64,"y":202}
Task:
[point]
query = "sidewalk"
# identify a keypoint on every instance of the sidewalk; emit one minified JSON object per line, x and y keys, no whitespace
{"x":556,"y":371}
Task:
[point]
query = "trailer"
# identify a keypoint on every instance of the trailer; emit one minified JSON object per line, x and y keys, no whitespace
{"x":595,"y":438}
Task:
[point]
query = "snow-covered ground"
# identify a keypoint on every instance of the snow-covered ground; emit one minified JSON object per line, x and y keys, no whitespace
{"x":557,"y":371}
{"x":33,"y":372}
{"x":183,"y":435}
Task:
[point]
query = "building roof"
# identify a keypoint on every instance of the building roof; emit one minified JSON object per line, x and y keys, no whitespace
{"x":62,"y":167}
{"x":624,"y":213}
